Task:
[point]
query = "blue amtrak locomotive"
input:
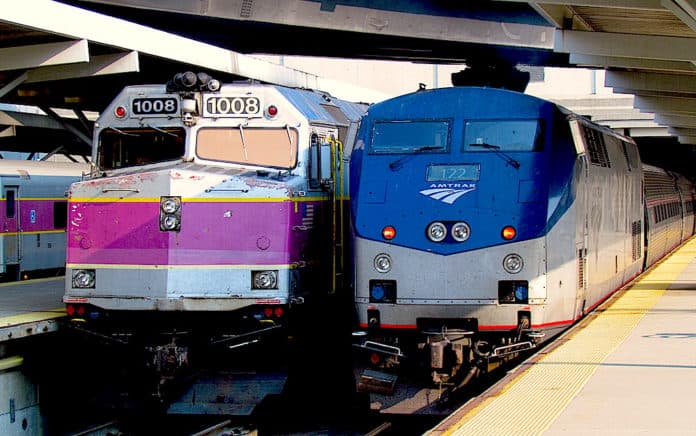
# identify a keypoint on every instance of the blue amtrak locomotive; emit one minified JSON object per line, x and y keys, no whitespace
{"x":486,"y":221}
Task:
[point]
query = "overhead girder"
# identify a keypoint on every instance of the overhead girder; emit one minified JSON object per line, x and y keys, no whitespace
{"x":657,"y":82}
{"x":515,"y":28}
{"x":83,"y":52}
{"x":676,"y":120}
{"x":626,"y":45}
{"x":42,"y":55}
{"x":119,"y":63}
{"x":585,"y":60}
{"x":78,"y":23}
{"x":666,"y":105}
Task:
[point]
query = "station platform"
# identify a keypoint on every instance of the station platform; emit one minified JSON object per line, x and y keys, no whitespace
{"x":628,"y":368}
{"x":30,"y":307}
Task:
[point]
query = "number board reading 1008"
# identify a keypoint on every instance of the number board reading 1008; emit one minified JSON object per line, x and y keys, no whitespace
{"x":154,"y":106}
{"x":453,"y":173}
{"x":232,"y":106}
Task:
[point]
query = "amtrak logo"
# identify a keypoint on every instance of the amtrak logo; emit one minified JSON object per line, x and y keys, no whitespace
{"x":448,"y":192}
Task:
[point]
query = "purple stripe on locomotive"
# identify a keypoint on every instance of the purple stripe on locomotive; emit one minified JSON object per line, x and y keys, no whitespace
{"x":225,"y":233}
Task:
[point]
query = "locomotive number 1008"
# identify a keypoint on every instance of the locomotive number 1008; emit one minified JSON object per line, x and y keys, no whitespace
{"x":232,"y":106}
{"x":154,"y":106}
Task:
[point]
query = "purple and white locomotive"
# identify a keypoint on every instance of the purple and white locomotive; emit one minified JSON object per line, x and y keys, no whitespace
{"x":486,"y":221}
{"x":213,"y":212}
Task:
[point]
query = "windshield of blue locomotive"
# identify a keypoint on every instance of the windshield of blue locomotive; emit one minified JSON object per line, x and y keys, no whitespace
{"x":479,"y":156}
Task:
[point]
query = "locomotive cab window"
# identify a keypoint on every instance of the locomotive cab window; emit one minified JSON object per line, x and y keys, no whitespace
{"x":403,"y":137}
{"x":130,"y":147}
{"x":503,"y":135}
{"x":267,"y":147}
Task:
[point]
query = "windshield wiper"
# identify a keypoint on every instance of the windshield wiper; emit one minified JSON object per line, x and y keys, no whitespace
{"x":241,"y":133}
{"x":496,"y":148}
{"x":121,"y":132}
{"x":160,"y":130}
{"x":397,"y":164}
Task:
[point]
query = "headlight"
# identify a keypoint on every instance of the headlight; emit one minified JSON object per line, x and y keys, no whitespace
{"x":383,"y":263}
{"x":513,"y":263}
{"x":169,"y":222}
{"x":169,"y":204}
{"x":264,"y":279}
{"x":461,"y":232}
{"x":84,"y":278}
{"x":437,"y":232}
{"x":170,"y":214}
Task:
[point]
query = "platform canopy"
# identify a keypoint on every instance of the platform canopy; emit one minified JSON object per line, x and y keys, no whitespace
{"x":54,"y":55}
{"x":77,"y":54}
{"x":648,"y":47}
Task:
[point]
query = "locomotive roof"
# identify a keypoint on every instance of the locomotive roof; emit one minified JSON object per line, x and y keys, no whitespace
{"x":317,"y":106}
{"x":447,"y":97}
{"x":28,"y":168}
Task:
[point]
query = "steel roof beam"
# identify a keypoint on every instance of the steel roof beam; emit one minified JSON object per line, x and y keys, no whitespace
{"x":676,"y":120}
{"x":666,"y":105}
{"x":32,"y":56}
{"x":685,"y":10}
{"x":585,"y":60}
{"x":681,"y":131}
{"x":638,"y":132}
{"x":345,"y":17}
{"x":623,"y":4}
{"x":656,"y":82}
{"x":97,"y":66}
{"x":12,"y":84}
{"x":686,"y":139}
{"x":80,"y":23}
{"x":17,"y":118}
{"x":626,"y":45}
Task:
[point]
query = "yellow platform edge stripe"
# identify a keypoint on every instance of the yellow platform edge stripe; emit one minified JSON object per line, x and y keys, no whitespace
{"x":24,"y":318}
{"x":27,"y":282}
{"x":562,"y":373}
{"x":11,"y":362}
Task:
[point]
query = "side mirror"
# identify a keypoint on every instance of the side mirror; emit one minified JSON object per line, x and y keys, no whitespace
{"x":320,"y":156}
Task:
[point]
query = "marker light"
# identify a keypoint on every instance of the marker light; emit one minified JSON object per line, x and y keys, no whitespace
{"x":84,"y":278}
{"x":508,"y":233}
{"x":383,"y":263}
{"x":513,"y":263}
{"x":264,"y":279}
{"x":272,"y":110}
{"x":437,"y":232}
{"x":120,"y":112}
{"x":388,"y":233}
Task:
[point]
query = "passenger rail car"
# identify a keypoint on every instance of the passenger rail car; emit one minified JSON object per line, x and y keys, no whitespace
{"x":486,"y":221}
{"x":33,"y":216}
{"x":214,"y":212}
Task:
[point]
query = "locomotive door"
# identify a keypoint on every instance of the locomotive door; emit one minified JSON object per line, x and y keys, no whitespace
{"x":583,"y":216}
{"x":11,"y":228}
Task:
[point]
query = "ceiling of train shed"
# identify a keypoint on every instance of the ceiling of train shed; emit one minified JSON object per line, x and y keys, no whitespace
{"x":54,"y":54}
{"x":647,"y":47}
